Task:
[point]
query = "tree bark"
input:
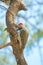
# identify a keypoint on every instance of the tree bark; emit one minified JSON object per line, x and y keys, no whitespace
{"x":20,"y":59}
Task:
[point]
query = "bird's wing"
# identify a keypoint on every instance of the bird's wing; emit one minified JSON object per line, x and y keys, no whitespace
{"x":24,"y":37}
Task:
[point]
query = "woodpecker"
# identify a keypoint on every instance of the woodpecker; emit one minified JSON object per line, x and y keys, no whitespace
{"x":22,"y":35}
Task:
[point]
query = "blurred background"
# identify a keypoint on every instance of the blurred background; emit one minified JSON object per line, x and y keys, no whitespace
{"x":33,"y":20}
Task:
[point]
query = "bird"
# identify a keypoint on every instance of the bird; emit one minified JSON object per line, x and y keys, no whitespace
{"x":22,"y":35}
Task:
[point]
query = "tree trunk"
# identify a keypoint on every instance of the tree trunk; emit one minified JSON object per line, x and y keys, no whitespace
{"x":20,"y":59}
{"x":18,"y":55}
{"x":15,"y":6}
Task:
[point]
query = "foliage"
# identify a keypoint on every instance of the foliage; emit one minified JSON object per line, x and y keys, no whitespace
{"x":3,"y":35}
{"x":35,"y":37}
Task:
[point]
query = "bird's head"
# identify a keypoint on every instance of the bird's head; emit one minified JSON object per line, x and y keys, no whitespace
{"x":21,"y":25}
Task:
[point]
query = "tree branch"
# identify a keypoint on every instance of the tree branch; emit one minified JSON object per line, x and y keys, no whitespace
{"x":9,"y":44}
{"x":6,"y":1}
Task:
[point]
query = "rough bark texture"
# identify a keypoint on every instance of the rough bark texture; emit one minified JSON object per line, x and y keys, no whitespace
{"x":15,"y":6}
